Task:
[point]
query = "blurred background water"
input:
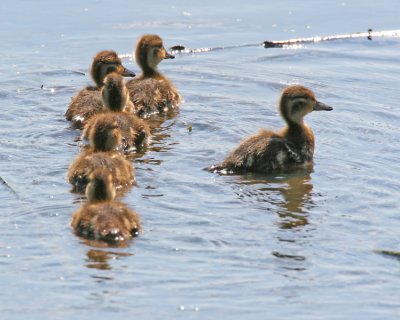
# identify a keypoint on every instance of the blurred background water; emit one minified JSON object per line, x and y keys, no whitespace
{"x":300,"y":246}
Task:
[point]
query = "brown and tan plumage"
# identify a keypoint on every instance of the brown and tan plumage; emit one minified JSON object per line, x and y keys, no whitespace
{"x":151,"y":92}
{"x":88,"y":101}
{"x":134,"y":131}
{"x":269,"y":151}
{"x":103,"y":218}
{"x":102,"y":155}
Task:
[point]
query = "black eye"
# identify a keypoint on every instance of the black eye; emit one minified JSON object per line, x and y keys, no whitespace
{"x":298,"y":106}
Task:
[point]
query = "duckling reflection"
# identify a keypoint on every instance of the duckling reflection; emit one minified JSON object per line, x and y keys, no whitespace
{"x":290,"y":196}
{"x":99,"y":259}
{"x":88,"y":101}
{"x":297,"y":199}
{"x":135,"y":131}
{"x":151,"y":92}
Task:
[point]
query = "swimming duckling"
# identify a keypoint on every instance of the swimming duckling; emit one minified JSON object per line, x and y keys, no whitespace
{"x":102,"y":154}
{"x":151,"y":92}
{"x":135,"y":132}
{"x":269,"y":151}
{"x":88,"y":101}
{"x":103,"y":218}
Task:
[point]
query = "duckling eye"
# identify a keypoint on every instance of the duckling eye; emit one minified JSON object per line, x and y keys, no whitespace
{"x":298,"y":106}
{"x":156,"y":51}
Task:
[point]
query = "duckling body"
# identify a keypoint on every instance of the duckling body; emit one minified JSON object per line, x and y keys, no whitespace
{"x":269,"y":151}
{"x":135,"y":132}
{"x":102,"y":154}
{"x":88,"y":101}
{"x":151,"y":92}
{"x":103,"y":218}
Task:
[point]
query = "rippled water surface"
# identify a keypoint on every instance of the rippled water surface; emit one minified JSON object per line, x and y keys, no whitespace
{"x":305,"y":245}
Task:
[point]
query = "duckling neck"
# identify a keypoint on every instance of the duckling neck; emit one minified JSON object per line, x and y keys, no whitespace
{"x":149,"y":72}
{"x":297,"y":131}
{"x":99,"y":192}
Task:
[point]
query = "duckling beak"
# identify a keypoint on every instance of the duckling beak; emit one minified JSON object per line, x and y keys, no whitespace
{"x":322,"y":106}
{"x":127,"y":73}
{"x":169,"y":56}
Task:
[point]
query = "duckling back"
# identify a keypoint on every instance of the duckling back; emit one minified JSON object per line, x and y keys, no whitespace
{"x":102,"y":154}
{"x":106,"y":221}
{"x":135,"y":133}
{"x":151,"y":96}
{"x":103,"y":218}
{"x":115,"y":95}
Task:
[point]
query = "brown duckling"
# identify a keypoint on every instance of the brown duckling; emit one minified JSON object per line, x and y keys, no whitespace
{"x":103,"y":218}
{"x":269,"y":151}
{"x":135,"y":132}
{"x":88,"y":101}
{"x":151,"y":92}
{"x":102,"y":154}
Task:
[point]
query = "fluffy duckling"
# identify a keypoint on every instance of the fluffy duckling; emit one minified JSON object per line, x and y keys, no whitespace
{"x":269,"y":151}
{"x":135,"y":132}
{"x":151,"y":92}
{"x":88,"y":101}
{"x":102,"y":154}
{"x":102,"y":218}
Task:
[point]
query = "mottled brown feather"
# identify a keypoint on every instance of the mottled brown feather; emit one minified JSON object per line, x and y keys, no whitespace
{"x":88,"y":101}
{"x":152,"y":93}
{"x":269,"y":151}
{"x":103,"y":218}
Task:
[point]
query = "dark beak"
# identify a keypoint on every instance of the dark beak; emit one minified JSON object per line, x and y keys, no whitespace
{"x":128,"y":73}
{"x":169,"y":56}
{"x":322,"y":106}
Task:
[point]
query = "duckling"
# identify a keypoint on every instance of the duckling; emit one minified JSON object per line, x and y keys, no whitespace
{"x":88,"y":101}
{"x":103,"y":218}
{"x":269,"y":151}
{"x":151,"y":92}
{"x":135,"y":132}
{"x":102,"y":154}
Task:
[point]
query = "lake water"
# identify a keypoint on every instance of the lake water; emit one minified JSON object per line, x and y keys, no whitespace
{"x":298,"y":246}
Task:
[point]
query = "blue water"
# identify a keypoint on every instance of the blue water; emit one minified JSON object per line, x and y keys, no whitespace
{"x":298,"y":246}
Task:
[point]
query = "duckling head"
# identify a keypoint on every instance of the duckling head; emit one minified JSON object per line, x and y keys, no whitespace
{"x":100,"y":186}
{"x":149,"y":52}
{"x":105,"y":136}
{"x":114,"y":93}
{"x":297,"y":101}
{"x":105,"y":62}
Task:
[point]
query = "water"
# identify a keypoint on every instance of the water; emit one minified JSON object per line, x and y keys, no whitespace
{"x":299,"y":246}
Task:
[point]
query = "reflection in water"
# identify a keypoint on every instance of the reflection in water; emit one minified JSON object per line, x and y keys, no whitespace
{"x":99,"y":259}
{"x":297,"y":199}
{"x":159,"y":135}
{"x":289,"y":195}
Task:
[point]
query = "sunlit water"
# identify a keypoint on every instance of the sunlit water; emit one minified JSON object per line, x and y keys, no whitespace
{"x":298,"y":246}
